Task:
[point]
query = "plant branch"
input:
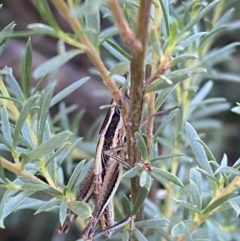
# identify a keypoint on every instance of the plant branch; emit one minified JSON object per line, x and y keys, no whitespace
{"x":126,"y":33}
{"x":12,"y":167}
{"x":235,"y":183}
{"x":163,"y":66}
{"x":91,"y":52}
{"x":137,"y":68}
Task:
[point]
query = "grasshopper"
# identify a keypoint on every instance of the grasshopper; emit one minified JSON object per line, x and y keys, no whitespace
{"x":103,"y":178}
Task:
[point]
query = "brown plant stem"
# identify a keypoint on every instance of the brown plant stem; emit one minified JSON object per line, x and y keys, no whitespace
{"x":137,"y":68}
{"x":126,"y":33}
{"x":91,"y":52}
{"x":150,"y":121}
{"x":163,"y":66}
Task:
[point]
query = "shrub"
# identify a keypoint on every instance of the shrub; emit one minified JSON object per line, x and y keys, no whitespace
{"x":197,"y":199}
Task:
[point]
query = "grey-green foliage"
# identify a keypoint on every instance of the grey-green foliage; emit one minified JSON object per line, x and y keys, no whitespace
{"x":27,"y":137}
{"x":199,"y":191}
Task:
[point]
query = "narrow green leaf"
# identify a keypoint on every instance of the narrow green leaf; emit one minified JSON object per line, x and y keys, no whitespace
{"x":81,"y":209}
{"x":182,"y":74}
{"x":5,"y":143}
{"x":2,"y":174}
{"x":199,"y":152}
{"x":76,"y":123}
{"x":152,"y":223}
{"x":132,"y":172}
{"x":46,"y":147}
{"x":211,"y":36}
{"x":14,"y":86}
{"x":67,"y":91}
{"x":26,"y":69}
{"x":182,"y":58}
{"x":196,"y":177}
{"x":167,"y":175}
{"x":143,"y":178}
{"x":22,"y":118}
{"x":43,"y":113}
{"x":154,"y":42}
{"x":187,"y":205}
{"x":220,"y":54}
{"x":2,"y":207}
{"x":54,"y":63}
{"x":142,"y":145}
{"x":3,"y":40}
{"x":108,"y":33}
{"x":165,"y":122}
{"x":126,"y":205}
{"x":46,"y":13}
{"x":116,"y":51}
{"x":49,"y":159}
{"x":181,"y":227}
{"x":214,"y":224}
{"x":226,"y":16}
{"x":162,"y":96}
{"x":167,"y":156}
{"x":187,"y":234}
{"x":225,"y":76}
{"x":56,"y":154}
{"x":195,"y":197}
{"x":199,"y":16}
{"x":125,"y":235}
{"x":119,"y":213}
{"x":227,"y":205}
{"x":6,"y":71}
{"x":48,"y":205}
{"x":29,"y":203}
{"x":236,"y":110}
{"x":34,"y":187}
{"x":142,"y":194}
{"x":208,"y":151}
{"x":227,"y":170}
{"x":68,"y":152}
{"x":63,"y":211}
{"x":207,"y":174}
{"x":15,"y":201}
{"x":6,"y":130}
{"x":42,"y":29}
{"x":211,"y":101}
{"x":202,"y":93}
{"x":75,"y":174}
{"x":139,"y":236}
{"x":39,"y":84}
{"x":215,"y":205}
{"x":236,"y":165}
{"x":153,"y":151}
{"x":163,"y":234}
{"x":89,"y":7}
{"x":235,"y":207}
{"x":120,"y":68}
{"x":11,"y":99}
{"x":173,"y":35}
{"x":176,"y":76}
{"x":166,"y":16}
{"x":92,"y":20}
{"x":148,"y":182}
{"x":191,"y":39}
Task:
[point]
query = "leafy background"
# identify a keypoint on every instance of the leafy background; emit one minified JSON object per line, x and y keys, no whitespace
{"x":22,"y":225}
